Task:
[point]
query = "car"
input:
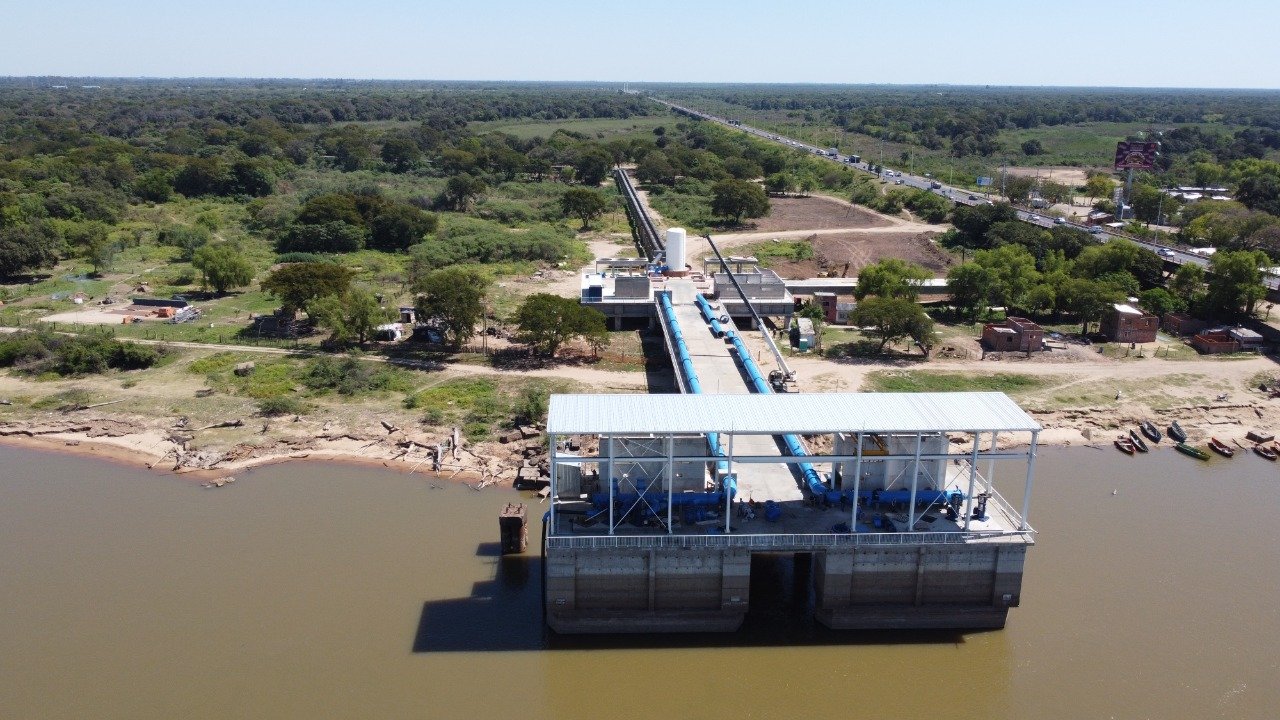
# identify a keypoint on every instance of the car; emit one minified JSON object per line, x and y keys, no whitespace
{"x":1059,"y":221}
{"x":973,"y":197}
{"x":1167,"y":252}
{"x":935,"y":185}
{"x":898,"y":181}
{"x":1096,"y":230}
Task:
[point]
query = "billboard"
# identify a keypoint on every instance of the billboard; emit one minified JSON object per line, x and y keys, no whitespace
{"x":1136,"y":155}
{"x":984,"y":181}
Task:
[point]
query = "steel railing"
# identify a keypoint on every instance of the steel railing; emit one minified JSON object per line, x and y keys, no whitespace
{"x":783,"y":542}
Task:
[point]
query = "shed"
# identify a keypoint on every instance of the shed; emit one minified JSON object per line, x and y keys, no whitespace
{"x":803,"y":336}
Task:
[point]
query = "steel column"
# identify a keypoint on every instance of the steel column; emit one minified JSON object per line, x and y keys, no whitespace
{"x":1026,"y":490}
{"x":915,"y":479}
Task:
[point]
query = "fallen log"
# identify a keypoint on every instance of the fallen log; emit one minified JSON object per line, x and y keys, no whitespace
{"x":226,"y":424}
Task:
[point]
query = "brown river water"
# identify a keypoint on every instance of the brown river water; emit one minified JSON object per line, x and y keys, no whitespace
{"x":330,"y":591}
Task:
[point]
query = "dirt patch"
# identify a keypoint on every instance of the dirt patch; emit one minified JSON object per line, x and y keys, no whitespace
{"x":831,"y":252}
{"x":814,"y":213}
{"x":1069,"y":176}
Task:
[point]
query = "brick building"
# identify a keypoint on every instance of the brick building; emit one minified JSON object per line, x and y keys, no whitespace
{"x":1014,"y":334}
{"x":1127,"y":324}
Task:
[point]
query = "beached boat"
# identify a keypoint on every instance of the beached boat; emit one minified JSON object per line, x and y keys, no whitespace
{"x":1138,"y":442}
{"x":1265,"y":452}
{"x":1194,"y":452}
{"x":1125,"y":445}
{"x":1176,"y":432}
{"x":1149,"y":429}
{"x":1220,"y":447}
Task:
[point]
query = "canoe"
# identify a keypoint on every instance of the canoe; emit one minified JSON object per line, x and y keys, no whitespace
{"x":1194,"y":452}
{"x":1150,"y":431}
{"x":1176,"y":432}
{"x":1220,"y":447}
{"x":1125,"y":445}
{"x":1265,"y":452}
{"x":1137,"y":442}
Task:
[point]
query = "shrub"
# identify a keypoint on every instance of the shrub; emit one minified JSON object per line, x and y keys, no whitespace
{"x":40,"y":353}
{"x":274,"y":406}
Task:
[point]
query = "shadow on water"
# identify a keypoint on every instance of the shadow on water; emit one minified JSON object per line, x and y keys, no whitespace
{"x":505,"y":615}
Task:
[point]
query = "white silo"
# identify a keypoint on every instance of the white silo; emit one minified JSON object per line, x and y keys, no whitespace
{"x":675,"y":250}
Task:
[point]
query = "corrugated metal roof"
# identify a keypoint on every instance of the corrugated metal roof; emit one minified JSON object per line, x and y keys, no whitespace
{"x":786,"y":413}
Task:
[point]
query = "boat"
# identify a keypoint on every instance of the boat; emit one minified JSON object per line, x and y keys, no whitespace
{"x":1176,"y":432}
{"x":1138,"y":442}
{"x":1194,"y":452}
{"x":1125,"y":445}
{"x":1220,"y":447}
{"x":1265,"y":452}
{"x":1150,"y":431}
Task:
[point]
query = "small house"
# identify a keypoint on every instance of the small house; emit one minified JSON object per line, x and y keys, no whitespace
{"x":1215,"y":341}
{"x":1015,"y":334}
{"x":1127,"y":324}
{"x":1249,"y":340}
{"x":803,"y":336}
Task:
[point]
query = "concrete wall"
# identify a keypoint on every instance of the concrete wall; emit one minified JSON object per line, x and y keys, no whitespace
{"x":634,"y":591}
{"x":707,"y":590}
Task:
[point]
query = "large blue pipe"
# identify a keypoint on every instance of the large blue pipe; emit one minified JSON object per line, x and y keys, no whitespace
{"x":685,"y":360}
{"x":708,"y":315}
{"x":792,"y":442}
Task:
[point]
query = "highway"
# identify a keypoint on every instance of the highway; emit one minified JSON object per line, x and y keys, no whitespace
{"x":961,"y":196}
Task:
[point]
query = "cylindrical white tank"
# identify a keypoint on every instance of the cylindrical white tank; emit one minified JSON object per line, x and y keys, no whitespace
{"x":675,"y":249}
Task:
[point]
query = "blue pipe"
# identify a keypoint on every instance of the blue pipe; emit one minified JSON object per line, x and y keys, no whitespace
{"x":685,"y":360}
{"x":716,"y":329}
{"x":812,"y":478}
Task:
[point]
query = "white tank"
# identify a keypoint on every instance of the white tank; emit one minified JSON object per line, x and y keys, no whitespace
{"x":675,"y":249}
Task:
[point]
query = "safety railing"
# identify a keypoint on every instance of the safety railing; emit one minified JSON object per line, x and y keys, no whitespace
{"x":783,"y":542}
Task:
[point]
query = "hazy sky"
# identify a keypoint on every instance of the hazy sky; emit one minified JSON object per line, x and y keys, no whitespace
{"x":1177,"y":43}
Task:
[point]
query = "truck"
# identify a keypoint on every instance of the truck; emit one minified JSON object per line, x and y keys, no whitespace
{"x":855,"y":159}
{"x":833,"y":152}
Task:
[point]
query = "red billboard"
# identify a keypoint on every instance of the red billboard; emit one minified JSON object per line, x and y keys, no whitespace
{"x":1136,"y":155}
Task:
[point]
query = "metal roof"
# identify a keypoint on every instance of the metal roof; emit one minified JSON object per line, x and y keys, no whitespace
{"x":803,"y":413}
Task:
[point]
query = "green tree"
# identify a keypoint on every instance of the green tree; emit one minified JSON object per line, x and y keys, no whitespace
{"x":454,"y":299}
{"x":400,"y":152}
{"x":548,"y":321}
{"x":1098,"y":186}
{"x":329,"y":237}
{"x":970,"y":286}
{"x":1032,"y":147}
{"x":331,"y":207}
{"x":351,"y":317}
{"x":891,"y":278}
{"x":1013,"y":274}
{"x":399,"y":226}
{"x":1018,"y":188}
{"x":461,"y":191}
{"x":297,"y":284}
{"x":28,"y":247}
{"x":656,"y":169}
{"x":1159,"y":301}
{"x":101,"y":252}
{"x":222,"y":267}
{"x":592,"y":165}
{"x":583,"y":203}
{"x":737,"y":199}
{"x":153,"y":186}
{"x":1235,"y":281}
{"x":892,"y":319}
{"x":1187,"y":282}
{"x":1088,"y":299}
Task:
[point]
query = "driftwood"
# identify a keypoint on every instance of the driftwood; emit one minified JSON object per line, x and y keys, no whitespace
{"x":78,"y":407}
{"x":389,"y":427}
{"x":227,"y":424}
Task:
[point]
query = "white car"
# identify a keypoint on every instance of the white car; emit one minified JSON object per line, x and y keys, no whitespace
{"x":1167,"y":252}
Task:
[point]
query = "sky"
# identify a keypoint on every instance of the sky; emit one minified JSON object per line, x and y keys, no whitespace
{"x":1207,"y":43}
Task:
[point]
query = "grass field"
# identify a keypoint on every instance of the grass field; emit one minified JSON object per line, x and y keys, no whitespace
{"x":923,"y":381}
{"x":591,"y":127}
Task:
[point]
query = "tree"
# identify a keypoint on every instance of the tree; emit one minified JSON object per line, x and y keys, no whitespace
{"x":400,"y":226}
{"x":1032,"y":147}
{"x":592,"y":165}
{"x":349,"y":317}
{"x":460,"y":191}
{"x":329,"y":237}
{"x":28,"y":247}
{"x":1018,"y":188}
{"x":970,"y":287}
{"x":737,"y":199}
{"x":655,"y":169}
{"x":1098,"y":186}
{"x":153,"y":186}
{"x":1187,"y":282}
{"x":1013,"y":274}
{"x":1159,"y":301}
{"x":400,"y":152}
{"x":583,"y":203}
{"x":1087,"y":298}
{"x":454,"y":299}
{"x":298,"y":284}
{"x":891,"y":278}
{"x":1260,"y":192}
{"x":1235,"y":281}
{"x":222,"y":267}
{"x":101,"y":252}
{"x":892,"y":319}
{"x":548,"y":321}
{"x":331,"y":207}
